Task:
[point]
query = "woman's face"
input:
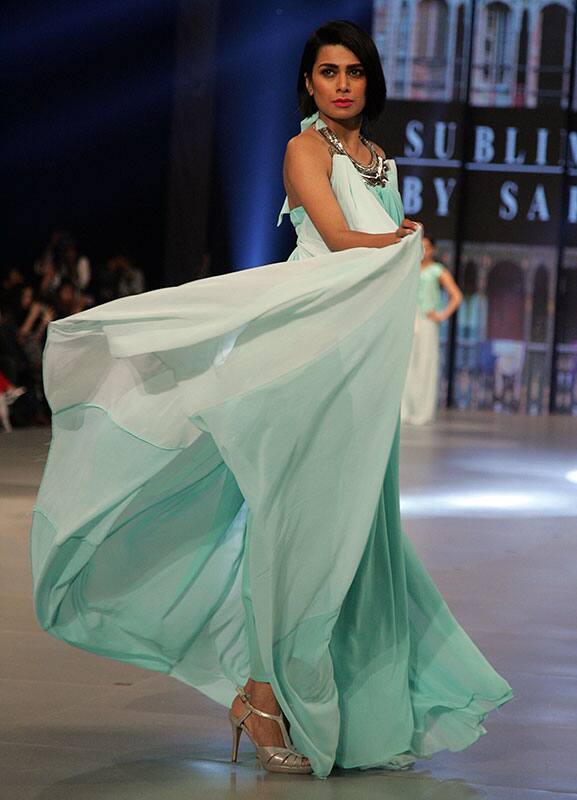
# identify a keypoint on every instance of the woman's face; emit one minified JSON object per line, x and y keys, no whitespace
{"x":338,"y":82}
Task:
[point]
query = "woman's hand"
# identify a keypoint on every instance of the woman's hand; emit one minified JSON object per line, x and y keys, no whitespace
{"x":407,"y":227}
{"x":435,"y":316}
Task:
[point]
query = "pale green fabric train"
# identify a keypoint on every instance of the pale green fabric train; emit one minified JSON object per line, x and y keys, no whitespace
{"x":275,"y":390}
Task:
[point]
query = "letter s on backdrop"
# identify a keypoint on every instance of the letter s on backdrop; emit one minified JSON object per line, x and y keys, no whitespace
{"x":509,"y":205}
{"x":415,"y":145}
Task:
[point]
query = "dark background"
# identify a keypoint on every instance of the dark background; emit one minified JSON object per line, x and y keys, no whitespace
{"x":86,"y":127}
{"x":152,"y":127}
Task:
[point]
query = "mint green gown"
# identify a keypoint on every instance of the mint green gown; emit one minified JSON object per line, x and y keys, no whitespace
{"x":244,"y":429}
{"x":420,"y":395}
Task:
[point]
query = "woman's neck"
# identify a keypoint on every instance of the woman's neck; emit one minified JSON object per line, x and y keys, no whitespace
{"x":426,"y":262}
{"x":348,"y":130}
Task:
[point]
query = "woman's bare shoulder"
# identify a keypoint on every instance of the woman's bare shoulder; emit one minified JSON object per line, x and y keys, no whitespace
{"x":307,"y":144}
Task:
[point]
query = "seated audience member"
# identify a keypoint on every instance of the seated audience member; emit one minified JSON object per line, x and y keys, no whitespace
{"x":16,"y":370}
{"x":62,"y":259}
{"x":10,"y":288}
{"x":119,"y":278}
{"x":12,"y":358}
{"x":68,"y":300}
{"x":32,"y":319}
{"x":48,"y":282}
{"x":8,"y":395}
{"x":106,"y":282}
{"x":131,"y":279}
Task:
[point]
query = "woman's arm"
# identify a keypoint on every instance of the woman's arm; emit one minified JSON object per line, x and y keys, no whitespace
{"x":455,"y":297}
{"x":307,"y":170}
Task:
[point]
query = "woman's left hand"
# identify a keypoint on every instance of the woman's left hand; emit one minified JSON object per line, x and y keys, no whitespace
{"x":408,"y":226}
{"x":435,"y":316}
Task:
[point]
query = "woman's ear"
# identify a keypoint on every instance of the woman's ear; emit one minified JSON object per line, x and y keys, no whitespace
{"x":309,"y":85}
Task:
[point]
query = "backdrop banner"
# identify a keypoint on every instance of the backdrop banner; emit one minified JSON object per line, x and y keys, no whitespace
{"x":480,"y":126}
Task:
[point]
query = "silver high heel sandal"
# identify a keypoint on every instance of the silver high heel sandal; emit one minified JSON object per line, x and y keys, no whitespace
{"x":272,"y":758}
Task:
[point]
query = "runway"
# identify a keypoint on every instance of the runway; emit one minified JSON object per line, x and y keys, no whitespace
{"x":491,"y":505}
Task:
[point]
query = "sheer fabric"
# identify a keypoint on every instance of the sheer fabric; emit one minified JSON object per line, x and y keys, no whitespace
{"x":275,"y":390}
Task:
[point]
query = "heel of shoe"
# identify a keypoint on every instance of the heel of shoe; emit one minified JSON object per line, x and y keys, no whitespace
{"x":236,"y":734}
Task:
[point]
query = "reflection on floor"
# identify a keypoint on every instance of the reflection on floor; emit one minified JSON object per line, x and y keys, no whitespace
{"x":491,"y":504}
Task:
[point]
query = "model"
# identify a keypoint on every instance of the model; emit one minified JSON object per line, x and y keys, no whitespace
{"x":221,"y":498}
{"x":420,"y":396}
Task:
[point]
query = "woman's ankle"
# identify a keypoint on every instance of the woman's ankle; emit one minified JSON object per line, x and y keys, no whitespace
{"x":261,"y":695}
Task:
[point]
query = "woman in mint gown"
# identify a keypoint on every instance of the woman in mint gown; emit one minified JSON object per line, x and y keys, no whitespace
{"x":221,"y":499}
{"x":420,"y":395}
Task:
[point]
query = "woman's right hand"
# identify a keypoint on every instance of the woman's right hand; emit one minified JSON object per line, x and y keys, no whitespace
{"x":406,"y":228}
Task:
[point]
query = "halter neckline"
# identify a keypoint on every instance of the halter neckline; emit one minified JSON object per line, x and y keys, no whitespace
{"x":373,"y":174}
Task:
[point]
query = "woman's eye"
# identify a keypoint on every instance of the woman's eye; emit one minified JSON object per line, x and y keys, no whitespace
{"x":356,"y":72}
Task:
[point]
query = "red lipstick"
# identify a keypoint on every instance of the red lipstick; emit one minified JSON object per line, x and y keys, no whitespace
{"x":343,"y":103}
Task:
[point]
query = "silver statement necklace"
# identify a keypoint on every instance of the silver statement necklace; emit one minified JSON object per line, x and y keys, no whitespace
{"x":373,"y":174}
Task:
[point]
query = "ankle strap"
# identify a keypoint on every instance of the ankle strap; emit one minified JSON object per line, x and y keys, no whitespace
{"x":278,"y":719}
{"x":246,"y":700}
{"x":243,"y":695}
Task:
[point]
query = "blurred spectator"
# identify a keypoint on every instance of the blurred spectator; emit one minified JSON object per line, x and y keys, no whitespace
{"x":119,"y":278}
{"x":131,"y":280}
{"x":23,"y":322}
{"x":16,"y":370}
{"x":73,"y":266}
{"x":12,"y":279}
{"x":31,"y":318}
{"x":68,"y":300}
{"x":61,"y":259}
{"x":11,"y":358}
{"x":49,"y":281}
{"x":59,"y":289}
{"x":8,"y":395}
{"x":107,"y":282}
{"x":10,"y":288}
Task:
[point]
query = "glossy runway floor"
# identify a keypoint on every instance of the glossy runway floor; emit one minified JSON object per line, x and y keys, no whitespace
{"x":491,"y":504}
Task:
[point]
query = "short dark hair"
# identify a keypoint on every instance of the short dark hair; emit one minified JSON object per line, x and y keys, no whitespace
{"x":360,"y":43}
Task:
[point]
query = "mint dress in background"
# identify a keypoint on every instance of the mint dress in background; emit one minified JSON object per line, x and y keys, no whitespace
{"x":420,"y":395}
{"x":222,"y":490}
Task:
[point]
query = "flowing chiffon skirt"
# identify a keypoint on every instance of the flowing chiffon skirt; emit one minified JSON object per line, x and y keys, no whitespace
{"x":275,"y":390}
